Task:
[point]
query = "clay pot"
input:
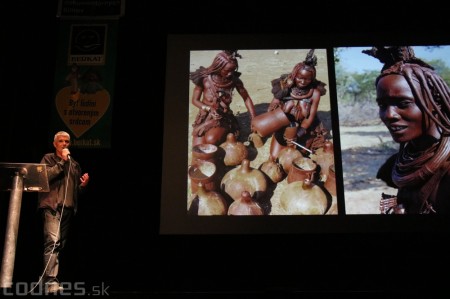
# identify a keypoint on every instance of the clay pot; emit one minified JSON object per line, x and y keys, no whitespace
{"x":204,"y":152}
{"x":207,"y":203}
{"x":203,"y":172}
{"x":303,"y":198}
{"x":330,"y":183}
{"x":267,"y":123}
{"x":244,"y":178}
{"x":290,"y":132}
{"x":272,"y":169}
{"x":302,"y":168}
{"x":210,"y":153}
{"x":287,"y":155}
{"x":256,"y":140}
{"x":245,"y":206}
{"x":235,"y":151}
{"x":328,"y":147}
{"x":324,"y":157}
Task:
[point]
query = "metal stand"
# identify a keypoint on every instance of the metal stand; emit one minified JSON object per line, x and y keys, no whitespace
{"x":21,"y":177}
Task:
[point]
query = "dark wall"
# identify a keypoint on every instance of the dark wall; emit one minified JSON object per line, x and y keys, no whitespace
{"x":115,"y":237}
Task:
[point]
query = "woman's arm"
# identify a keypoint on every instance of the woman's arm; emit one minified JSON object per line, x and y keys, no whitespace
{"x":247,"y":99}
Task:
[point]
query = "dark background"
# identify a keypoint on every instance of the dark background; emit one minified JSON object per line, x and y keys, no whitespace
{"x":115,"y":238}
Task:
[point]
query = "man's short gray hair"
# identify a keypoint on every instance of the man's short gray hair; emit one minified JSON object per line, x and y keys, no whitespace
{"x":63,"y":133}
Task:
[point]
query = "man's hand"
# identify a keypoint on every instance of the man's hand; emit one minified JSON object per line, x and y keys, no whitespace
{"x":84,"y":180}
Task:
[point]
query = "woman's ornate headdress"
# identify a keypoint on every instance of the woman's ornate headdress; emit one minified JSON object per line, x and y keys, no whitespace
{"x":432,"y":95}
{"x":395,"y":58}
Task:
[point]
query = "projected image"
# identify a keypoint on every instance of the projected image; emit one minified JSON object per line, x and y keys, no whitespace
{"x":394,"y":135}
{"x":260,"y":133}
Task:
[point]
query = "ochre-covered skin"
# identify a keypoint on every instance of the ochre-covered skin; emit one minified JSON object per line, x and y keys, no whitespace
{"x":414,"y":105}
{"x":298,"y":95}
{"x":212,"y":95}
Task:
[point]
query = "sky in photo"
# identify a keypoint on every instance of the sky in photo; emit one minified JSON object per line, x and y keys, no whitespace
{"x":353,"y":60}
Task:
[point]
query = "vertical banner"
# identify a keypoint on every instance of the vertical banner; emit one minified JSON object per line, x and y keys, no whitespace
{"x":85,"y":71}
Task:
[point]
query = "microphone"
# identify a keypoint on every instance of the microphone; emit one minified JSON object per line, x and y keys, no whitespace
{"x":68,"y":155}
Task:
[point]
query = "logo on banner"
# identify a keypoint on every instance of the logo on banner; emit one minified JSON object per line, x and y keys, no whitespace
{"x":84,"y":80}
{"x":85,"y":101}
{"x":87,"y":44}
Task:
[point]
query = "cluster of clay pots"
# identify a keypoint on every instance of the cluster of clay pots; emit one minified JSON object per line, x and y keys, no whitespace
{"x":310,"y":175}
{"x":224,"y":183}
{"x":310,"y":179}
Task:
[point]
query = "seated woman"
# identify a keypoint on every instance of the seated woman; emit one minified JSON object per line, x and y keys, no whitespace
{"x":298,"y":94}
{"x":212,"y":94}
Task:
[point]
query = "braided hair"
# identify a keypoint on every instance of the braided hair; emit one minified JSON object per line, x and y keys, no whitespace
{"x":220,"y":61}
{"x":433,"y":94}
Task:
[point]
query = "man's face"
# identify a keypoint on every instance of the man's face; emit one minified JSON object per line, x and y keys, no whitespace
{"x":398,"y":108}
{"x":61,"y":142}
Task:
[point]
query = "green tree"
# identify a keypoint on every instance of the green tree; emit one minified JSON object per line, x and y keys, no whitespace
{"x":441,"y":68}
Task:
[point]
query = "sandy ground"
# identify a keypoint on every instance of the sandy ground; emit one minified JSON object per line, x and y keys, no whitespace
{"x":363,"y":150}
{"x":258,"y":68}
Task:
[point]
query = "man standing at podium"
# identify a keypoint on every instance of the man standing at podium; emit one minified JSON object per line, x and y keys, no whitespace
{"x":59,"y":205}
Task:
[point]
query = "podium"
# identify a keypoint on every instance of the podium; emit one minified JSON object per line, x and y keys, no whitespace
{"x":17,"y":178}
